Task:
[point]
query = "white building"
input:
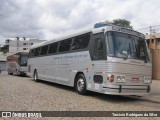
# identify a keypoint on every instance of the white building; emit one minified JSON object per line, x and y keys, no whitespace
{"x":2,"y":61}
{"x":21,"y":45}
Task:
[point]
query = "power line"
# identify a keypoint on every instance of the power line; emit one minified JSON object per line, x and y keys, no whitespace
{"x":148,"y":27}
{"x":155,"y":25}
{"x":143,"y":28}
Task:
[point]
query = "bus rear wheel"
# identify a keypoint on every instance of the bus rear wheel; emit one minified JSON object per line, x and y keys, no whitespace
{"x":35,"y":76}
{"x":80,"y":84}
{"x":10,"y":73}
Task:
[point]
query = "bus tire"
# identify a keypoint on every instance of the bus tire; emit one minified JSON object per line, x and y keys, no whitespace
{"x":35,"y":76}
{"x":80,"y":84}
{"x":10,"y":73}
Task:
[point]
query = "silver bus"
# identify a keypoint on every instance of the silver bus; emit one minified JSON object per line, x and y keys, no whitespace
{"x":106,"y":58}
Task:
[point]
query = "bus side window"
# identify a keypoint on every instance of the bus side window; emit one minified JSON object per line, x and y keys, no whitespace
{"x":31,"y":53}
{"x":53,"y":48}
{"x":81,"y":42}
{"x":65,"y":45}
{"x":98,"y":48}
{"x":44,"y":50}
{"x":37,"y":51}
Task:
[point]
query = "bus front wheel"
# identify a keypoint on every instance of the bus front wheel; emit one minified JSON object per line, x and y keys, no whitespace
{"x":80,"y":84}
{"x":35,"y":76}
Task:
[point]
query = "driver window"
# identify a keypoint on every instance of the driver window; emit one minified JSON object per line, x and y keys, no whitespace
{"x":98,"y":49}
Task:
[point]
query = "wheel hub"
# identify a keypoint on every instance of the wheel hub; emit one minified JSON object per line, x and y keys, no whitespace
{"x":80,"y":84}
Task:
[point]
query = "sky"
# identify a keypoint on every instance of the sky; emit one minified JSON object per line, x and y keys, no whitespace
{"x":47,"y":19}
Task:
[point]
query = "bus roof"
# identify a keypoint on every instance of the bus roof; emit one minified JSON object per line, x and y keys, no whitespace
{"x":97,"y":26}
{"x":66,"y":36}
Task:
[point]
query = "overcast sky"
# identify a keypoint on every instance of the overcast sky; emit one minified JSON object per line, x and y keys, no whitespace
{"x":46,"y":19}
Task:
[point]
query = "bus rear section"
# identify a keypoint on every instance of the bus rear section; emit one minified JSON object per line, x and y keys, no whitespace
{"x":17,"y":63}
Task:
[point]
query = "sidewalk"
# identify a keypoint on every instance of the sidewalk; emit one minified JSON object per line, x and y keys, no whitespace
{"x":155,"y":92}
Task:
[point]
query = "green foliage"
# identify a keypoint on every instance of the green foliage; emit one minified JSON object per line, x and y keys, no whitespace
{"x":4,"y":49}
{"x":121,"y":22}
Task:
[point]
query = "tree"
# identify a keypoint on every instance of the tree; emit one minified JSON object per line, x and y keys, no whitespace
{"x":121,"y":22}
{"x":4,"y":49}
{"x":17,"y":38}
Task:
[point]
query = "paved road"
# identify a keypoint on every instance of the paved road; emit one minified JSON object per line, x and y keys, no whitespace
{"x":23,"y":94}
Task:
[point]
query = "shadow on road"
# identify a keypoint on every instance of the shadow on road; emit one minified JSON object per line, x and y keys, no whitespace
{"x":104,"y":97}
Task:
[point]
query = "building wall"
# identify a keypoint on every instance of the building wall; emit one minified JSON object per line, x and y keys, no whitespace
{"x":154,"y":40}
{"x":156,"y":64}
{"x":154,"y":45}
{"x":22,"y":45}
{"x":3,"y":61}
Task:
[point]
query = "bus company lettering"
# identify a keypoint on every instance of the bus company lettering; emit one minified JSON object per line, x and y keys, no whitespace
{"x":71,"y":57}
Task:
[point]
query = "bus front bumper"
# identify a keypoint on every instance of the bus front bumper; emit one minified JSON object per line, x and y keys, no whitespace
{"x":127,"y":89}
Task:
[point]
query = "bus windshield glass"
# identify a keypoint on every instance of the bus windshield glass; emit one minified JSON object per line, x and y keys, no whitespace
{"x":126,"y":46}
{"x":23,"y":60}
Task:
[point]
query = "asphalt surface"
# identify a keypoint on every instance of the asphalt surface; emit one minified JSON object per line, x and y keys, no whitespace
{"x":23,"y":94}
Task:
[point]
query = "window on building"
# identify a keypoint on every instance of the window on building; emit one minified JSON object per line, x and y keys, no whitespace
{"x":24,"y":48}
{"x":81,"y":42}
{"x":53,"y":48}
{"x":65,"y":45}
{"x":31,"y":43}
{"x":24,"y":43}
{"x":44,"y":50}
{"x":152,"y":40}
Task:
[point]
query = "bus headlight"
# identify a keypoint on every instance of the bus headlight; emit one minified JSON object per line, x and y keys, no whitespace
{"x":121,"y":79}
{"x":147,"y":79}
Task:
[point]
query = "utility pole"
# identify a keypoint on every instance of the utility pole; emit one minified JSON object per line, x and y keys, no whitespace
{"x":150,"y":29}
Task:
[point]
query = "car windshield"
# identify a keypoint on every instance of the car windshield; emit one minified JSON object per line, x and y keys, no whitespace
{"x":126,"y":46}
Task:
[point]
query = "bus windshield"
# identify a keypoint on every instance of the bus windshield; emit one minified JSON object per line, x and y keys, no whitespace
{"x":23,"y":60}
{"x":126,"y":46}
